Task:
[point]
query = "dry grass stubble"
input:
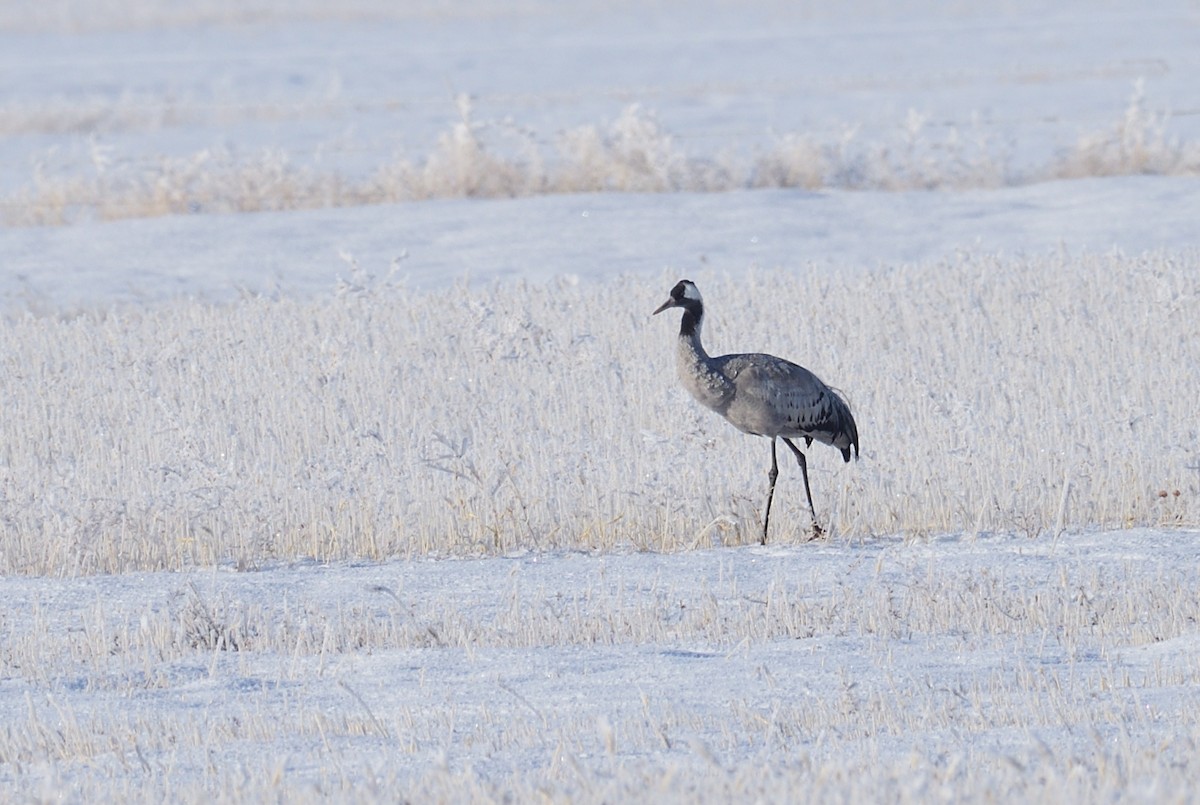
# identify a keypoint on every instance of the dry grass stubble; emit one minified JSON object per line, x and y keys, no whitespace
{"x":1010,"y":394}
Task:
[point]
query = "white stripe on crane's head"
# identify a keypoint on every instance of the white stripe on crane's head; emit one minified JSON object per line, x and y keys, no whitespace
{"x":686,"y":289}
{"x":686,"y":295}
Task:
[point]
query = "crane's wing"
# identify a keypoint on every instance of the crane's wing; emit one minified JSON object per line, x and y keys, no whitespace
{"x":786,"y":399}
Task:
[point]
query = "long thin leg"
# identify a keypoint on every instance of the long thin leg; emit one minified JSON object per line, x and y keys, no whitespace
{"x":771,"y":493}
{"x":817,"y":530}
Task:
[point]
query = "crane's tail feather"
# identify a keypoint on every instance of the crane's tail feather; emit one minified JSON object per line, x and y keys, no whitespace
{"x":848,"y":429}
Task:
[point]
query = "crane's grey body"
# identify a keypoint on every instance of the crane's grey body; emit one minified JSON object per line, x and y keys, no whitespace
{"x":760,"y":394}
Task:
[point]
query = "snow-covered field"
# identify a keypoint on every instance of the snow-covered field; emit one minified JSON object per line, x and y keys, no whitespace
{"x":340,"y":456}
{"x":998,"y":668}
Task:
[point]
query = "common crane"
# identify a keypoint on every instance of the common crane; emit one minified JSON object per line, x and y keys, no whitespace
{"x":761,"y":395}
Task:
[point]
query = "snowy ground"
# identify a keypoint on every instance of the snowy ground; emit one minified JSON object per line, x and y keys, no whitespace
{"x":1038,"y":661}
{"x":1000,"y":668}
{"x":587,"y":236}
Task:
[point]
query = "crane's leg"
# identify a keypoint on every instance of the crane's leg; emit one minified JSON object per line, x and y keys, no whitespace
{"x":771,"y":493}
{"x":817,"y":530}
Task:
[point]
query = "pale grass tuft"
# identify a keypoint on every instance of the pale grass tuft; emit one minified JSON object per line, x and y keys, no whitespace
{"x":1137,"y":144}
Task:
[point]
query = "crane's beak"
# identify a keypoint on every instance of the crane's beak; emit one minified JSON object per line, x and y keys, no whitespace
{"x":664,"y":306}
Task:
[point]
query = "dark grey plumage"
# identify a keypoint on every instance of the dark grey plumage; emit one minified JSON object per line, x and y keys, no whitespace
{"x":761,"y":395}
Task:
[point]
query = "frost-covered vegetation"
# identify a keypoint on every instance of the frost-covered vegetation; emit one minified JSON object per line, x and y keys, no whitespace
{"x":633,"y":153}
{"x":238,"y":107}
{"x":992,"y":394}
{"x":457,"y":534}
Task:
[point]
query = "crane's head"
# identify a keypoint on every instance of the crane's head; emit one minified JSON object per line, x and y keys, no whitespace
{"x":686,"y":295}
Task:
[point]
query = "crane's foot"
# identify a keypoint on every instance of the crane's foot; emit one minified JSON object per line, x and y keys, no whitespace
{"x":816,"y":533}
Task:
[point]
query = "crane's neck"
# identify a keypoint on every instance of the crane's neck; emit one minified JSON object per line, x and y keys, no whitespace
{"x":689,"y":327}
{"x":691,"y":352}
{"x":699,"y":373}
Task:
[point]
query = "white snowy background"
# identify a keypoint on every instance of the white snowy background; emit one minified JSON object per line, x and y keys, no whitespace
{"x":340,"y":458}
